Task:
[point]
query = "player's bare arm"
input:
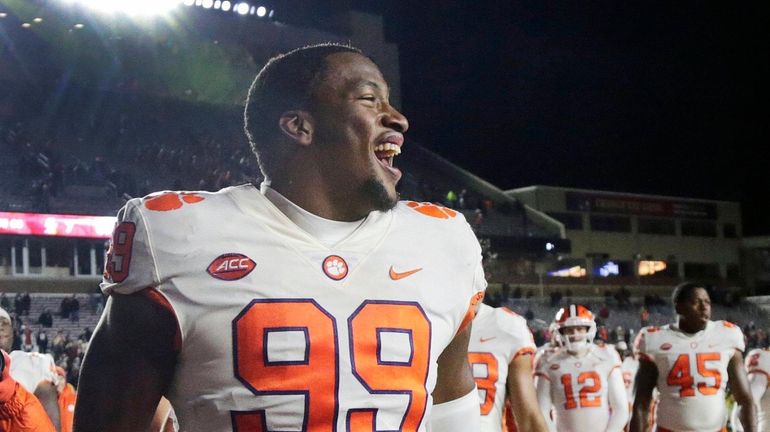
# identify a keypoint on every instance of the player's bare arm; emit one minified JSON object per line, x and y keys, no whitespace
{"x":522,"y":395}
{"x":48,"y":396}
{"x":544,"y":400}
{"x":455,"y":399}
{"x":644,"y":384}
{"x":128,"y":366}
{"x":455,"y":378}
{"x":739,"y":384}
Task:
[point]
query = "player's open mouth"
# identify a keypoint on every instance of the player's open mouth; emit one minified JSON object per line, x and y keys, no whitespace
{"x":386,"y":152}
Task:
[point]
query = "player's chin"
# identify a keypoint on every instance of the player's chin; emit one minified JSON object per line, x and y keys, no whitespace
{"x":382,"y":194}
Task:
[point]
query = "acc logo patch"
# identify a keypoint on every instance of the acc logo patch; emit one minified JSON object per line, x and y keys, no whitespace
{"x":231,"y":266}
{"x":666,"y":346}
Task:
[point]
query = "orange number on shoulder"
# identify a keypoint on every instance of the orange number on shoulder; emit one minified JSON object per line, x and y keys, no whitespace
{"x":589,"y":395}
{"x":680,"y":375}
{"x":118,"y":260}
{"x":488,"y":362}
{"x":314,"y":371}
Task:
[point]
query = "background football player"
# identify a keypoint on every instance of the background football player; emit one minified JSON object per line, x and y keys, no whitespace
{"x":690,"y":363}
{"x":581,"y":382}
{"x":501,"y":352}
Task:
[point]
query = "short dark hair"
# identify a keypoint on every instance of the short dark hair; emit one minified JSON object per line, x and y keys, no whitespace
{"x":286,"y":82}
{"x":683,"y":291}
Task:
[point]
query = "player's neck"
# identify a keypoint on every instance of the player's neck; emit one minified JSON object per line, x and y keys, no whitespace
{"x":580,"y":352}
{"x":316,"y":196}
{"x":690,"y":328}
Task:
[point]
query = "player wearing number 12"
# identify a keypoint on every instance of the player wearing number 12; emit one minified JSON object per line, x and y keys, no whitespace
{"x":317,"y":302}
{"x":690,"y":363}
{"x":580,"y":382}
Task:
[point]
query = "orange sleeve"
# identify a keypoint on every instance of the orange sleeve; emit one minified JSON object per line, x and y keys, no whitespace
{"x":24,"y":413}
{"x":473,"y":307}
{"x":67,"y":407}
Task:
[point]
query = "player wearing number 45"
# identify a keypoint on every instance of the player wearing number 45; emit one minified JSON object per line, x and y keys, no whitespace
{"x":690,"y":363}
{"x":317,"y":302}
{"x":580,"y":382}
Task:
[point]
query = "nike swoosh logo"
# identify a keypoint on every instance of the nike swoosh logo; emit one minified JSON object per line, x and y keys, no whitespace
{"x":482,"y":340}
{"x":400,"y":275}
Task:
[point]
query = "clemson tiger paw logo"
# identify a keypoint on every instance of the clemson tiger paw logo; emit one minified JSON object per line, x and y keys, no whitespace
{"x":432,"y":210}
{"x":171,"y":201}
{"x":335,"y":267}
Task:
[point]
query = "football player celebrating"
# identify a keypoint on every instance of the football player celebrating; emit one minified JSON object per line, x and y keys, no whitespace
{"x":500,"y":353}
{"x":581,"y":381}
{"x":316,"y":302}
{"x":20,"y":410}
{"x":690,"y":363}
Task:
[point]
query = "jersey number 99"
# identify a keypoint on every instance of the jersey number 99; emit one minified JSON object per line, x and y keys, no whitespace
{"x":314,"y":374}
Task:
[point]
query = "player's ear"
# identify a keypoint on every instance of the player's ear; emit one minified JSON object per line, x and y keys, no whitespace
{"x":298,"y":126}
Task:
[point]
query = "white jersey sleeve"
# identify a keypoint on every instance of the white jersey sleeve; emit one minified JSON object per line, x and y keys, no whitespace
{"x":30,"y":369}
{"x":130,"y":265}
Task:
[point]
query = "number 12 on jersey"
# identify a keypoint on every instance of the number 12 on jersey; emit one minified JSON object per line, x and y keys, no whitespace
{"x":589,"y":393}
{"x":314,"y":373}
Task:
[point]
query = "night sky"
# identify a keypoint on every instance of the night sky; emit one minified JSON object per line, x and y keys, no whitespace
{"x":666,"y":98}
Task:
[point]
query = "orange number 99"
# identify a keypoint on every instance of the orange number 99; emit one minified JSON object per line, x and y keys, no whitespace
{"x":314,"y":373}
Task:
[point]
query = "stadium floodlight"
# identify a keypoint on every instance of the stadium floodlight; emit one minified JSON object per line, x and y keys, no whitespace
{"x":208,"y":4}
{"x":226,"y":5}
{"x":3,"y":14}
{"x":242,"y":8}
{"x":189,"y":2}
{"x":261,"y":11}
{"x":26,"y":25}
{"x":131,"y":7}
{"x":78,"y":26}
{"x":217,"y":4}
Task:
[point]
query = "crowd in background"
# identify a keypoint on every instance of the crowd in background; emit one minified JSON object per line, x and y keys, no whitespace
{"x":40,"y":334}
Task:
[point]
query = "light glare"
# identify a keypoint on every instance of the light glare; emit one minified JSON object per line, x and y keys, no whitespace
{"x":131,"y":7}
{"x":242,"y":8}
{"x":207,"y":4}
{"x":261,"y":11}
{"x":226,"y":5}
{"x":38,"y":20}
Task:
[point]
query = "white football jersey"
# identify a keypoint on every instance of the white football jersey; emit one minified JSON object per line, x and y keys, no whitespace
{"x":279,"y":332}
{"x":30,"y":369}
{"x":498,"y":336}
{"x":692,"y":373}
{"x":629,"y":367}
{"x":758,"y":362}
{"x":579,"y":390}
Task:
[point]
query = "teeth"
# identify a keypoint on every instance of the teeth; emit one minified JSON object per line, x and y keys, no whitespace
{"x":392,"y":149}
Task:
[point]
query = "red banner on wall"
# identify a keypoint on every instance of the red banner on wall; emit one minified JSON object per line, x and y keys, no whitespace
{"x":56,"y":225}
